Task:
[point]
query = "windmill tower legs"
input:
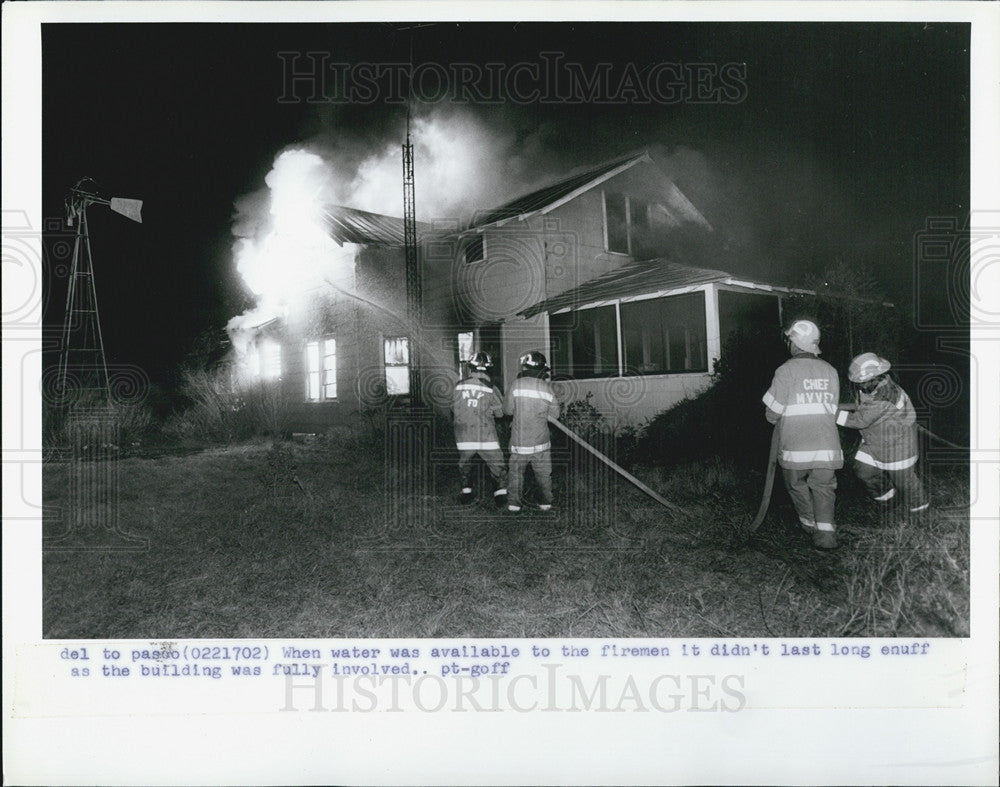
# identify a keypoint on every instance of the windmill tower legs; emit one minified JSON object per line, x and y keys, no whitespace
{"x":83,"y":370}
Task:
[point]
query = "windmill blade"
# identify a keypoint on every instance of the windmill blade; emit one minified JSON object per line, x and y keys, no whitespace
{"x":129,"y":208}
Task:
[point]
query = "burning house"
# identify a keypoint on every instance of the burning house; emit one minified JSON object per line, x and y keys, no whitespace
{"x":610,"y":271}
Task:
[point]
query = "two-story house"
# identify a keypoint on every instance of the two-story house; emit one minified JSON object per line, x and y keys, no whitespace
{"x":611,"y":272}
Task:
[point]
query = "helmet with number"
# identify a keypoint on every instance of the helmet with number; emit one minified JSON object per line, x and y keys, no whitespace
{"x":534,"y":361}
{"x":867,"y":366}
{"x":804,"y":334}
{"x":480,"y":361}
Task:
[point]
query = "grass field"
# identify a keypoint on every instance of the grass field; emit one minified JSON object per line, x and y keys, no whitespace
{"x":292,"y":540}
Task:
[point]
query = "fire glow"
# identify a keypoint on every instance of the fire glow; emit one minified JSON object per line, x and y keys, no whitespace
{"x":285,"y":254}
{"x":283,"y":250}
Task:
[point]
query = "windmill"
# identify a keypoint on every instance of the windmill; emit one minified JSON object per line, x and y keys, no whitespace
{"x":82,"y":350}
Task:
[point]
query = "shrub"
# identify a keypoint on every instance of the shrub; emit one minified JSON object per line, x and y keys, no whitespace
{"x":728,"y":418}
{"x":121,"y":423}
{"x":216,"y":412}
{"x":617,"y":440}
{"x":582,"y":417}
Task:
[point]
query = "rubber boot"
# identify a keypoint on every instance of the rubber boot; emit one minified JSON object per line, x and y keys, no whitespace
{"x":824,"y":539}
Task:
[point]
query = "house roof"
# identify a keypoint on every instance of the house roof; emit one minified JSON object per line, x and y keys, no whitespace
{"x":350,"y":225}
{"x":650,"y":278}
{"x":552,"y":196}
{"x":637,"y":278}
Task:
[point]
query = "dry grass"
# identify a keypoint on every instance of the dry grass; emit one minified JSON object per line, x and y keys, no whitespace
{"x":288,"y":540}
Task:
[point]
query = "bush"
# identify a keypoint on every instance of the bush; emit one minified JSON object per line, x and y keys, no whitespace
{"x":582,"y":417}
{"x":728,"y":418}
{"x":618,"y":440}
{"x":217,"y":413}
{"x":120,"y":423}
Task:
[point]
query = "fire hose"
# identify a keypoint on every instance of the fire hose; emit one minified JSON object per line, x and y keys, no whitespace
{"x":772,"y":462}
{"x":616,"y":467}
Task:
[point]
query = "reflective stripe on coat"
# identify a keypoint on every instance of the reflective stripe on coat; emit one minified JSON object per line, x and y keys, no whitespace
{"x":803,"y":396}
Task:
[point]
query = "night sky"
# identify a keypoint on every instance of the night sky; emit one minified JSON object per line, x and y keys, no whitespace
{"x":847,"y":138}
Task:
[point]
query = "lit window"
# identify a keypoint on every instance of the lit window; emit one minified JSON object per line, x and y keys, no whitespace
{"x":475,"y":250}
{"x":269,"y":358}
{"x":665,"y":335}
{"x":465,"y":345}
{"x":397,"y":365}
{"x":330,"y":368}
{"x":321,"y":370}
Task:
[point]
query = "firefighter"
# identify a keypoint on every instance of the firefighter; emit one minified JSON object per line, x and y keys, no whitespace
{"x":887,"y":457}
{"x":476,"y":404}
{"x":531,"y":401}
{"x":802,"y":403}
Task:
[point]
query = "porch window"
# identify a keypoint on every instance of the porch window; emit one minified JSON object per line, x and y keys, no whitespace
{"x":665,"y":335}
{"x":397,"y":365}
{"x":584,"y":343}
{"x":321,"y":370}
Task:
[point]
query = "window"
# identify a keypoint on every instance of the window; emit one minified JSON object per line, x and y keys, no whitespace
{"x":269,"y":359}
{"x":584,"y":343}
{"x":665,"y":335}
{"x":638,"y":218}
{"x":397,"y":365}
{"x":626,"y":222}
{"x":465,"y":348}
{"x":475,"y":250}
{"x":616,"y":222}
{"x":321,"y":370}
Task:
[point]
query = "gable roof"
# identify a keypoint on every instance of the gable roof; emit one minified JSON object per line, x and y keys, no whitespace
{"x":552,"y":196}
{"x":648,"y":279}
{"x":350,"y":225}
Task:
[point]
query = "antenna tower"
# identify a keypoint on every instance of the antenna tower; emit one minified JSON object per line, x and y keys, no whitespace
{"x":413,"y":288}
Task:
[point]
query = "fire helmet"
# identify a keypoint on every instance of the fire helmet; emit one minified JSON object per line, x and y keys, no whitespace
{"x":867,"y":366}
{"x":535,"y":361}
{"x":481,"y":361}
{"x":804,"y":334}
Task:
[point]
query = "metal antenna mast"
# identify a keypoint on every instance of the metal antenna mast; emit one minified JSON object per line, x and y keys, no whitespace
{"x":413,"y":288}
{"x":82,"y":349}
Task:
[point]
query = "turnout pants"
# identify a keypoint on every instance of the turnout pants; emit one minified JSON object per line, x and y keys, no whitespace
{"x":813,"y":492}
{"x":882,"y":485}
{"x":541,"y":466}
{"x":494,"y":461}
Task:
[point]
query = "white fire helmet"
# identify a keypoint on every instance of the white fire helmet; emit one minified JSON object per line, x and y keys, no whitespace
{"x":804,"y":334}
{"x":481,"y":361}
{"x":534,"y":360}
{"x":867,"y":366}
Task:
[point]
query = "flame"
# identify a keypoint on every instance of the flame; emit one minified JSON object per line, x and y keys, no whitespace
{"x":282,"y":249}
{"x":286,"y":253}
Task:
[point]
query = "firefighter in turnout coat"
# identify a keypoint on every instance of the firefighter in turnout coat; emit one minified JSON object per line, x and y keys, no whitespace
{"x":887,"y":457}
{"x":531,"y":401}
{"x":476,"y":404}
{"x":802,"y":403}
